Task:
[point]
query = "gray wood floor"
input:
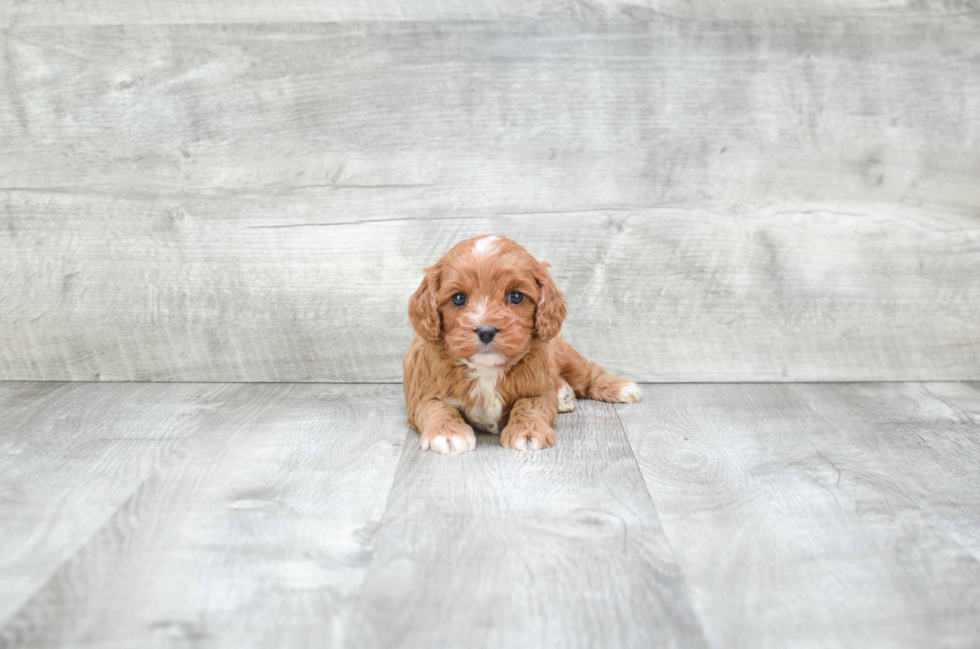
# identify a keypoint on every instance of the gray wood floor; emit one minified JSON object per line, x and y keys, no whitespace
{"x":295,"y":515}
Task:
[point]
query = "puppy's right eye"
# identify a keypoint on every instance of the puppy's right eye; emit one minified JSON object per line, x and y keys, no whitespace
{"x":459,"y":299}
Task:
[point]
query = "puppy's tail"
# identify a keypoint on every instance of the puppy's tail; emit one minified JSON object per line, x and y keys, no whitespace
{"x":588,"y":380}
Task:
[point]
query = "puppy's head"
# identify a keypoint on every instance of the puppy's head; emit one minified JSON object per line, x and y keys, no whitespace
{"x":485,"y":301}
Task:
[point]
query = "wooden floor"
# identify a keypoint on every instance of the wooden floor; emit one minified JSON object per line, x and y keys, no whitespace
{"x":295,"y":515}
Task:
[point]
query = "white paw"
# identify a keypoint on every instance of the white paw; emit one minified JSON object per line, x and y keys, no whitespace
{"x":527,"y":444}
{"x":527,"y":436}
{"x":629,"y":393}
{"x":530,"y":444}
{"x":566,"y":399}
{"x":455,"y":442}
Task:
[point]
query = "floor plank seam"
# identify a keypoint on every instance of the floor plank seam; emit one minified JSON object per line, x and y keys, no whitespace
{"x":355,"y":610}
{"x":670,"y":546}
{"x":955,"y":409}
{"x":151,"y":475}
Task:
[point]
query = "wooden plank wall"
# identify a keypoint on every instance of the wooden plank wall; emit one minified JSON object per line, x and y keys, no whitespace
{"x":744,"y":191}
{"x":115,"y":12}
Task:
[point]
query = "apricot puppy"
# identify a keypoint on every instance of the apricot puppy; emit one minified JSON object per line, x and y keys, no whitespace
{"x":488,"y":355}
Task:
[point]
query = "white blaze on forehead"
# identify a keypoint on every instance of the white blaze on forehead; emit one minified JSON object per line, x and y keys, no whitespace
{"x":484,"y":245}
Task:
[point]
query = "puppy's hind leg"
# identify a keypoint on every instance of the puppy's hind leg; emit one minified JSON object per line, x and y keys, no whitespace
{"x":588,"y":380}
{"x":609,"y":387}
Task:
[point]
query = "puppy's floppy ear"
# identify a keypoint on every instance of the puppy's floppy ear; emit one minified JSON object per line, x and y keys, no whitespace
{"x":551,"y":305}
{"x":423,"y":306}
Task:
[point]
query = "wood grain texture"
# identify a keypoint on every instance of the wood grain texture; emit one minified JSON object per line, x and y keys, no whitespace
{"x":258,"y":537}
{"x":662,"y":295}
{"x":801,"y":515}
{"x":70,"y":456}
{"x":924,"y":437}
{"x":462,"y":118}
{"x":497,"y":548}
{"x":114,"y":12}
{"x":721,"y":201}
{"x":797,"y":524}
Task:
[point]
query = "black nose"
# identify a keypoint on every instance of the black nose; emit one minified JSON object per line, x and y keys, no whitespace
{"x":486,"y":334}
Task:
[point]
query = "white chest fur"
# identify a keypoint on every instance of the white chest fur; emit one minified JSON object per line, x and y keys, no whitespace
{"x":485,"y":405}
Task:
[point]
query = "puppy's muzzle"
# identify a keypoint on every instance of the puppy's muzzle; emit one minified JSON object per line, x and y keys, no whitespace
{"x":486,"y":334}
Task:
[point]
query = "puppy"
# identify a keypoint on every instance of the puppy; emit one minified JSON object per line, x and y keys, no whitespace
{"x":488,"y":355}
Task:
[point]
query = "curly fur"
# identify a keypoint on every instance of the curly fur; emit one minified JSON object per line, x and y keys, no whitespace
{"x":455,"y":384}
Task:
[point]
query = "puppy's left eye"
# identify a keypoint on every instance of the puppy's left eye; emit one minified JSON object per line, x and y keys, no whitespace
{"x":515,"y":297}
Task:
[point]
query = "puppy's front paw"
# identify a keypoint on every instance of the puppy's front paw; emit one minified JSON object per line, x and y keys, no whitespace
{"x":527,"y":435}
{"x":453,"y":438}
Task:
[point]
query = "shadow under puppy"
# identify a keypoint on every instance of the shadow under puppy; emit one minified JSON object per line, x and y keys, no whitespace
{"x":488,"y":354}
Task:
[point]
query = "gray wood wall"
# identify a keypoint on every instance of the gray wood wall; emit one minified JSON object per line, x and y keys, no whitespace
{"x":733,"y":191}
